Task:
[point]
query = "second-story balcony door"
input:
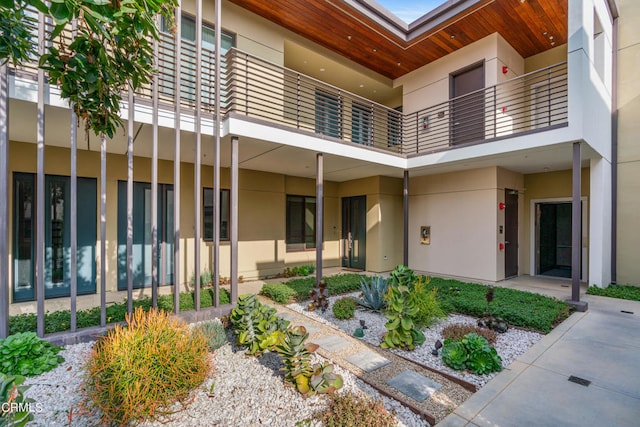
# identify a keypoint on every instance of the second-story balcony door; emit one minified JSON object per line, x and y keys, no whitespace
{"x":467,"y":106}
{"x":328,"y":114}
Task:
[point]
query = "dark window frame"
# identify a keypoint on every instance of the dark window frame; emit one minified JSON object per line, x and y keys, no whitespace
{"x":298,"y":241}
{"x":205,"y":214}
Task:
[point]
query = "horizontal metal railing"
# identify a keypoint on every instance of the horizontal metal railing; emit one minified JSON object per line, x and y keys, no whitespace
{"x":258,"y":88}
{"x":533,"y":101}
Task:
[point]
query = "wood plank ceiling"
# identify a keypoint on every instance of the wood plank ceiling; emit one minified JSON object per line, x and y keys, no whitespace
{"x":530,"y":26}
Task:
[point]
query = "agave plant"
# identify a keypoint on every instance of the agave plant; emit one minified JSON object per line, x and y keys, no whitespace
{"x":373,"y":292}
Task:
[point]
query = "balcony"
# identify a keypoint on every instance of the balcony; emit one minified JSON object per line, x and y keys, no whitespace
{"x":259,"y":89}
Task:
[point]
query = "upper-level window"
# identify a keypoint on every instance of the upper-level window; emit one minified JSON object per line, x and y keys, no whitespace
{"x":188,"y":59}
{"x":328,"y":114}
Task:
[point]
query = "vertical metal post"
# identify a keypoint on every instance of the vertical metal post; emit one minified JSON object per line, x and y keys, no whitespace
{"x":405,"y":230}
{"x":614,"y":154}
{"x":576,"y":230}
{"x":74,"y":210}
{"x":233,"y":196}
{"x":319,"y":214}
{"x":74,"y":216}
{"x":130,"y":202}
{"x":154,"y":180}
{"x":198,"y":162}
{"x":216,"y":156}
{"x":4,"y":207}
{"x":176,"y":162}
{"x":103,"y":229}
{"x":40,"y":186}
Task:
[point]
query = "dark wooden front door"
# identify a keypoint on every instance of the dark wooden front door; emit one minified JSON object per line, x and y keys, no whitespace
{"x":467,"y":106}
{"x":354,"y":232}
{"x":510,"y":233}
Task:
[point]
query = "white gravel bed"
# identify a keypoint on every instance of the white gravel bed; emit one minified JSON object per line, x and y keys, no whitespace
{"x":509,"y":345}
{"x":240,"y":390}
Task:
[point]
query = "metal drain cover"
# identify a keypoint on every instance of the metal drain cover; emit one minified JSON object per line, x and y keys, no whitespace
{"x":579,"y":380}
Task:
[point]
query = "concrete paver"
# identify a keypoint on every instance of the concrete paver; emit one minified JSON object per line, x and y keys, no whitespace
{"x":414,"y":385}
{"x":368,"y":361}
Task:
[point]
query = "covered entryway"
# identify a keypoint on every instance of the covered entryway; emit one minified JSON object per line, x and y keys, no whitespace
{"x":354,"y":232}
{"x":553,"y":239}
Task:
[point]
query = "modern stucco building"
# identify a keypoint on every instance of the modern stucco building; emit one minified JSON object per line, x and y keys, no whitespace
{"x":455,"y":143}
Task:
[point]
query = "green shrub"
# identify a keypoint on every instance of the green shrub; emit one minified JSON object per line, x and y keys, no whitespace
{"x":12,"y":391}
{"x":25,"y":354}
{"x":214,"y":333}
{"x":206,"y":278}
{"x":298,"y":289}
{"x":429,"y":309}
{"x":457,"y":331}
{"x":616,"y":291}
{"x":344,"y":308}
{"x":472,"y":352}
{"x":60,"y":320}
{"x":300,"y":270}
{"x":136,"y":372}
{"x":373,"y":290}
{"x":347,"y":409}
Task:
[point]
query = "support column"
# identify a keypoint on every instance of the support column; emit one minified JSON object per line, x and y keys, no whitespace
{"x":216,"y":156}
{"x":74,"y":217}
{"x":576,"y":231}
{"x":4,"y":207}
{"x":154,"y":181}
{"x":319,"y":214}
{"x":198,"y":163}
{"x":405,"y":231}
{"x":39,"y":252}
{"x":176,"y":161}
{"x":103,"y":229}
{"x":130,"y":203}
{"x":233,"y":235}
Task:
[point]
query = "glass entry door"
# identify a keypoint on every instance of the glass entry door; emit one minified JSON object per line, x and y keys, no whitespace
{"x":354,"y":232}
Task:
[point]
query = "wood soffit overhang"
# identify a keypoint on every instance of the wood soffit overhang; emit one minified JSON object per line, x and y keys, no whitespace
{"x":370,"y":36}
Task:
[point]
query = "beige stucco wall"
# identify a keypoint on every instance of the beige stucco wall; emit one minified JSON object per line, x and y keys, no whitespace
{"x":628,"y":258}
{"x":461,"y":209}
{"x":546,"y":58}
{"x":261,"y":222}
{"x":541,"y":186}
{"x":429,"y":85}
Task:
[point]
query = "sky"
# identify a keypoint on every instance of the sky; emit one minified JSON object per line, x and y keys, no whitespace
{"x":410,"y":10}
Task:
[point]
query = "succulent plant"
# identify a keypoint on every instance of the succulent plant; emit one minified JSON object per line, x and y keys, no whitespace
{"x":373,"y":291}
{"x":401,"y":311}
{"x":472,"y":352}
{"x":402,"y":275}
{"x":296,"y":356}
{"x":256,"y":326}
{"x":319,"y":297}
{"x":344,"y":308}
{"x":11,"y":392}
{"x":323,"y":379}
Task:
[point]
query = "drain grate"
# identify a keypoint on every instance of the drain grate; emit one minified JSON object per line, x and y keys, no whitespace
{"x":579,"y":380}
{"x":626,"y":312}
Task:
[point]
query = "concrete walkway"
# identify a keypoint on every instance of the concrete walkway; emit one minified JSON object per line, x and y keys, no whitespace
{"x":600,"y":349}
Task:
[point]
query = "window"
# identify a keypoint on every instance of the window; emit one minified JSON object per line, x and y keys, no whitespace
{"x":207,"y":207}
{"x":394,"y":126}
{"x":328,"y":115}
{"x":188,"y":59}
{"x":301,"y":223}
{"x":57,"y":236}
{"x":142,"y":245}
{"x":360,"y":124}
